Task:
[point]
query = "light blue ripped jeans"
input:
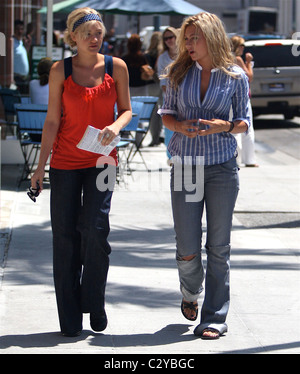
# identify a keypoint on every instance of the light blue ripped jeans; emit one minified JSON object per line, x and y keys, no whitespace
{"x":220,"y":185}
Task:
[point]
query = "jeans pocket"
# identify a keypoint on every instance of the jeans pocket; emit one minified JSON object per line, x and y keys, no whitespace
{"x":230,"y":166}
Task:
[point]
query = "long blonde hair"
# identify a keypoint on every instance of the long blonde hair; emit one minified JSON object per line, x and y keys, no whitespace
{"x":236,"y":42}
{"x":218,"y":45}
{"x":75,"y":16}
{"x":155,"y":47}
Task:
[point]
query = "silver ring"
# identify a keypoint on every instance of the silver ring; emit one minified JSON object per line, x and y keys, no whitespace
{"x":107,"y":136}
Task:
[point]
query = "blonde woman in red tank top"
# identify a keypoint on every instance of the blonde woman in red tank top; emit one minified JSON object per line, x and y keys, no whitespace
{"x":80,"y":209}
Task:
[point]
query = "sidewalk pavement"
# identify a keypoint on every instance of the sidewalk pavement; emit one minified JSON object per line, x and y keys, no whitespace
{"x":143,"y":298}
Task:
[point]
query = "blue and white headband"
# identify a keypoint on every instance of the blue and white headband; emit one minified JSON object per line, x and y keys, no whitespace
{"x":86,"y":18}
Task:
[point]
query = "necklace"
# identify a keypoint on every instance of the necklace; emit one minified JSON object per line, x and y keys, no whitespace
{"x":172,"y":55}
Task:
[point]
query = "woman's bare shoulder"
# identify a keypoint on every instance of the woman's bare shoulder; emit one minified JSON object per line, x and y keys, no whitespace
{"x":58,"y":70}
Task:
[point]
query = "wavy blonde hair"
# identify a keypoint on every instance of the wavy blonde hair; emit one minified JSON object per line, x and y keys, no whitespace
{"x":218,"y":45}
{"x":82,"y":29}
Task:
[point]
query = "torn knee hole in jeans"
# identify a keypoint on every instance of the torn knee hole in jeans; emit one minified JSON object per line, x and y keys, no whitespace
{"x":186,"y":258}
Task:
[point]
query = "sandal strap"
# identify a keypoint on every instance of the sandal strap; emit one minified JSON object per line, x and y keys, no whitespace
{"x":190,"y":305}
{"x":211,"y":329}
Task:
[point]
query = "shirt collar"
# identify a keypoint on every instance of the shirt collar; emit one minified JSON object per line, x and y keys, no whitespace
{"x":200,"y":67}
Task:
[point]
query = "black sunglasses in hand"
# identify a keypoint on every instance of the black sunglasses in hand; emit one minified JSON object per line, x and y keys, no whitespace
{"x":33,"y":193}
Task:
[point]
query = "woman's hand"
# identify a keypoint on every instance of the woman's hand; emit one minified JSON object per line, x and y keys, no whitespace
{"x":108,"y":134}
{"x":248,"y":57}
{"x":220,"y":125}
{"x":192,"y":127}
{"x":38,"y":178}
{"x":215,"y":126}
{"x":188,"y":128}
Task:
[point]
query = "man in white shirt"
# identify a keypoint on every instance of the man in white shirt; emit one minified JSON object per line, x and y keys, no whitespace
{"x":21,"y":63}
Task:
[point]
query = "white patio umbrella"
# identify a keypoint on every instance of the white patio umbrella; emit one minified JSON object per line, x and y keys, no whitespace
{"x":142,"y":7}
{"x":137,"y":7}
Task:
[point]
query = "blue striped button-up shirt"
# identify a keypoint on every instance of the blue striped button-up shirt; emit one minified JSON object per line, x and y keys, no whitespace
{"x":223,"y":93}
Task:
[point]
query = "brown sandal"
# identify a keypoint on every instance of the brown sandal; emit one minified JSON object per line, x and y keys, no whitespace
{"x":189,"y":305}
{"x":210,"y":337}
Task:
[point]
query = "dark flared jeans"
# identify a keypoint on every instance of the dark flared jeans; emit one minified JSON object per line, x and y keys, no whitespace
{"x":80,"y":227}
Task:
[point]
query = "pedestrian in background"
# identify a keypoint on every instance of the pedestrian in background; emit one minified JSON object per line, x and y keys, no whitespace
{"x":203,"y":83}
{"x":39,"y":88}
{"x":83,"y":91}
{"x":135,"y":59}
{"x":247,"y":139}
{"x":164,"y":60}
{"x":21,"y":63}
{"x":154,"y":50}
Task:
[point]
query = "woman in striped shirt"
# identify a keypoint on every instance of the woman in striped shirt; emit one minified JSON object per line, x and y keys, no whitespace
{"x":203,"y":84}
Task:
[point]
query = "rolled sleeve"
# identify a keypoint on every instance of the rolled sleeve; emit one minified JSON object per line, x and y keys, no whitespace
{"x":170,"y":102}
{"x":241,"y":105}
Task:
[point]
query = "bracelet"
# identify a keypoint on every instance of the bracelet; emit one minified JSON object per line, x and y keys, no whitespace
{"x":231,"y":126}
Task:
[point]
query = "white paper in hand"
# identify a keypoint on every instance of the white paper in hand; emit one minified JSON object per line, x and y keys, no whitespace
{"x":90,"y":142}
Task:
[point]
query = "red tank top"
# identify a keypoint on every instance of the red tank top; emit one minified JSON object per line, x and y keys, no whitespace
{"x":82,"y":106}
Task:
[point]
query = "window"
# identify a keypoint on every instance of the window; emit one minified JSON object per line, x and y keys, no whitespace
{"x":273,"y":56}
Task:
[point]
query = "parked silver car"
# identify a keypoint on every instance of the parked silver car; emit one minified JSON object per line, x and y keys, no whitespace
{"x":276,"y":83}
